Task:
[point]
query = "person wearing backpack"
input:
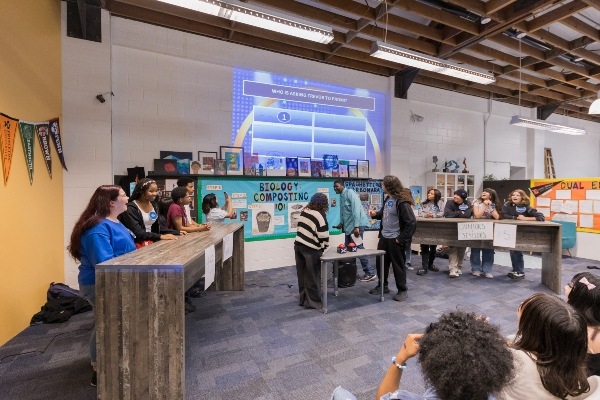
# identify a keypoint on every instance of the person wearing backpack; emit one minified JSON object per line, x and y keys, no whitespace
{"x":99,"y":236}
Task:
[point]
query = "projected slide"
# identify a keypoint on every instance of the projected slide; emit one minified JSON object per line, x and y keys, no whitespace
{"x":279,"y":115}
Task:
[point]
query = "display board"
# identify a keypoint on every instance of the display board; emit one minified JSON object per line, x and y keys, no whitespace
{"x":573,"y":199}
{"x":269,"y":208}
{"x":371,"y":197}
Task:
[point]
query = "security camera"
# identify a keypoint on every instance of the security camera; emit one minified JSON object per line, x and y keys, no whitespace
{"x":415,"y":117}
{"x":101,"y":98}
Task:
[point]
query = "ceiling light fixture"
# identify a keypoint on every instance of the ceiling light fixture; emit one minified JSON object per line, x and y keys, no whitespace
{"x":407,"y":57}
{"x":260,"y":17}
{"x":595,"y":107}
{"x":545,"y":126}
{"x":521,"y":35}
{"x":485,"y":20}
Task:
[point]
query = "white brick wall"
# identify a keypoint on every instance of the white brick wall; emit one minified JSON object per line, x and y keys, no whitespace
{"x":173,"y":92}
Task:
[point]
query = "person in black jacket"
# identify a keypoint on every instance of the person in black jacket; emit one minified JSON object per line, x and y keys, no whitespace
{"x":518,"y":208}
{"x":458,"y":207}
{"x":142,"y":216}
{"x":398,"y":224}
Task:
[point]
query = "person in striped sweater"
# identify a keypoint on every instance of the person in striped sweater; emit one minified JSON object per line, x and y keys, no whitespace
{"x":312,"y":239}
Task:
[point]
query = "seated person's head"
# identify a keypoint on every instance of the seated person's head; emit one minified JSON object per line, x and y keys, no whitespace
{"x":464,"y":357}
{"x":583,"y":294}
{"x":208,"y":202}
{"x":163,"y":205}
{"x":179,"y":195}
{"x":555,"y":335}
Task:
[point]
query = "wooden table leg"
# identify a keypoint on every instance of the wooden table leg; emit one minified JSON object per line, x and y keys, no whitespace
{"x":552,"y":263}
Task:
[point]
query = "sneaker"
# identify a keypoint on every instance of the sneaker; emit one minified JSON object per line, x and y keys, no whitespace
{"x":400,"y":296}
{"x":476,"y":273}
{"x":377,"y":290}
{"x":488,"y":275}
{"x":409,"y":266}
{"x":516,"y":275}
{"x":189,"y":307}
{"x":453,"y":274}
{"x":368,"y":278}
{"x":421,"y":271}
{"x":433,"y":268}
{"x":197,"y":293}
{"x":460,"y":270}
{"x":94,"y":381}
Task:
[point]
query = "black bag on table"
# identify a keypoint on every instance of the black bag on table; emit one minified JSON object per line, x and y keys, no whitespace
{"x":347,"y":273}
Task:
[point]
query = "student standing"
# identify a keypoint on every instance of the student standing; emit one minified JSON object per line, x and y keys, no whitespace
{"x":458,"y":207}
{"x":353,"y":223}
{"x":211,"y":210}
{"x":398,"y":224}
{"x":518,"y":208}
{"x":312,"y":238}
{"x":430,"y":208}
{"x":98,"y":236}
{"x":486,"y":206}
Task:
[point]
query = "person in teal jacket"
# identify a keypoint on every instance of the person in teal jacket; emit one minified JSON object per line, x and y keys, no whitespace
{"x":98,"y":236}
{"x":353,"y":223}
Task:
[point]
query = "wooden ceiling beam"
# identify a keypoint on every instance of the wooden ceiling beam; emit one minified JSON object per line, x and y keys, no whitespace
{"x":593,"y":3}
{"x":581,"y":27}
{"x":437,"y":15}
{"x":555,"y":15}
{"x":494,"y":6}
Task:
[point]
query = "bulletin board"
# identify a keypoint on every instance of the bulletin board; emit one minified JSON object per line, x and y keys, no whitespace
{"x":370,"y":193}
{"x":269,"y":207}
{"x":573,"y":199}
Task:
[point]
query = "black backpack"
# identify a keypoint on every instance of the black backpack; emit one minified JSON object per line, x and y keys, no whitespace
{"x":347,"y":273}
{"x":60,"y":290}
{"x":63,"y":301}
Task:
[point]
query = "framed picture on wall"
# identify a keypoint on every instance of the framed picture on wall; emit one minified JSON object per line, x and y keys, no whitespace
{"x":234,"y":159}
{"x":304,"y":166}
{"x":207,"y":162}
{"x":291,"y":166}
{"x":362,"y":168}
{"x":220,"y":167}
{"x":165,"y":167}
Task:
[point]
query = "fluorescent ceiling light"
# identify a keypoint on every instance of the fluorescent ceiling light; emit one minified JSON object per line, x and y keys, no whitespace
{"x":260,"y":17}
{"x":545,"y":126}
{"x":412,"y":58}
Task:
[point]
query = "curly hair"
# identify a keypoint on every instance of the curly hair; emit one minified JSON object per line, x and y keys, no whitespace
{"x":319,"y":202}
{"x":392,"y":185}
{"x":555,"y":334}
{"x":524,"y":198}
{"x":464,"y":357}
{"x":585,"y":300}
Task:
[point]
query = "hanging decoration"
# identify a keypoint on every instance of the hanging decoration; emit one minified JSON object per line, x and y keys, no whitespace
{"x":41,"y":131}
{"x":26,"y":129}
{"x":57,"y":140}
{"x":8,"y":132}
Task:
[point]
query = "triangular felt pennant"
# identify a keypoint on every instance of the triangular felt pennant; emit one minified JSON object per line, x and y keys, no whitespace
{"x":541,"y":189}
{"x":8,"y":133}
{"x":27,"y":131}
{"x":41,"y":131}
{"x":57,"y":140}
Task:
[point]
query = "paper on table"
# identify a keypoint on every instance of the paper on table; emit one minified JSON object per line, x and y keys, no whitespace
{"x":227,"y":246}
{"x":505,"y":235}
{"x":357,"y":240}
{"x":209,"y":266}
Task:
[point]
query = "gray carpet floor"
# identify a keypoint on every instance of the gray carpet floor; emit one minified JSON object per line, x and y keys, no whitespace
{"x":259,"y":344}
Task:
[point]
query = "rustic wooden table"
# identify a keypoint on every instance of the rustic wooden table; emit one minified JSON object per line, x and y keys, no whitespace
{"x":140,"y":311}
{"x":544,"y":237}
{"x":331,"y":255}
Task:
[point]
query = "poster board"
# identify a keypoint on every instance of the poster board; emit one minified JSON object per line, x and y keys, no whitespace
{"x":573,"y":199}
{"x":371,"y":197}
{"x":269,"y":207}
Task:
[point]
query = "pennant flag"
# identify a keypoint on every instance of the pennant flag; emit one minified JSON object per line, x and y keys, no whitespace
{"x":41,"y":131}
{"x":26,"y":130}
{"x":56,"y":139}
{"x":8,"y":133}
{"x":541,"y":189}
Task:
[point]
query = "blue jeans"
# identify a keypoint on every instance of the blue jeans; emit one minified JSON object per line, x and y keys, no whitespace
{"x":366,"y":266}
{"x":89,"y":292}
{"x":482,"y":260}
{"x":516,"y":258}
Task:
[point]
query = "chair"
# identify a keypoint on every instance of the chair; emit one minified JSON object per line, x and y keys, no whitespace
{"x":569,"y":235}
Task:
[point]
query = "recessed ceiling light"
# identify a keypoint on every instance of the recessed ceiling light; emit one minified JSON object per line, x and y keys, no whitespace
{"x":485,"y":20}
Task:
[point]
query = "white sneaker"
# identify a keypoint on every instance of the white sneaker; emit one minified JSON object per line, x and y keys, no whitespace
{"x":460,"y":270}
{"x":476,"y":273}
{"x":453,"y":274}
{"x":488,"y":275}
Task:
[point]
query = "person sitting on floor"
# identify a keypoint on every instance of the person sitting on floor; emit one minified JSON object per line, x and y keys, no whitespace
{"x":462,"y":357}
{"x":583,"y":294}
{"x":549,"y":352}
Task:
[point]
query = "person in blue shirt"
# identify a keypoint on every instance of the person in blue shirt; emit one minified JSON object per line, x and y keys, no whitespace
{"x":98,"y":236}
{"x":353,"y":221}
